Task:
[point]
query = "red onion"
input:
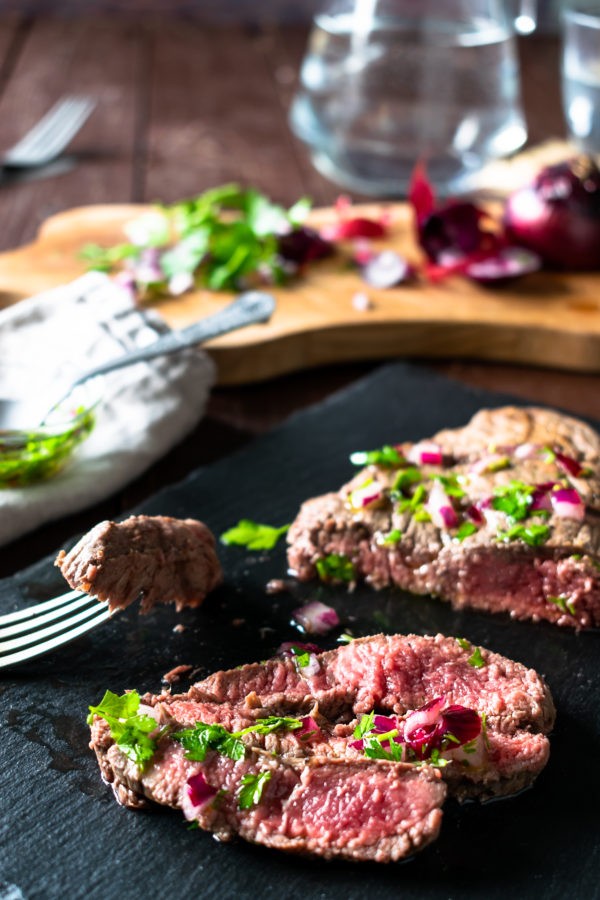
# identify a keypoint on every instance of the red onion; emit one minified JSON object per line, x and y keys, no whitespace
{"x":367,"y":495}
{"x":349,"y":227}
{"x":426,"y":453}
{"x":474,"y":514}
{"x":425,"y":729}
{"x":505,"y":265}
{"x":310,"y":731}
{"x":568,"y":464}
{"x":526,"y":451}
{"x":303,"y":245}
{"x":386,"y":270}
{"x":439,"y":507}
{"x":567,"y":504}
{"x":197,"y":792}
{"x":316,"y":618}
{"x":558,"y":215}
{"x":540,"y":499}
{"x":489,"y":463}
{"x":287,"y":648}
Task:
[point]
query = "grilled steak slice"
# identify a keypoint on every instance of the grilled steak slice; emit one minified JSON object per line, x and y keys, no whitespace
{"x":501,"y":515}
{"x":325,"y":790}
{"x":157,"y":558}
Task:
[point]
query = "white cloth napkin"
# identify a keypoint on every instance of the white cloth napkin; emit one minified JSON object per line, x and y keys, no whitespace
{"x":145,"y":409}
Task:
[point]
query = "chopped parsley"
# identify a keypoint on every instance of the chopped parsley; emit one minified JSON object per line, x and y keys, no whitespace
{"x":197,"y":741}
{"x":465,"y":530}
{"x":373,"y":750}
{"x":251,"y":789}
{"x":253,"y":535}
{"x":404,"y":480}
{"x":533,"y":535}
{"x":387,"y":457}
{"x":364,"y":726}
{"x":565,"y":604}
{"x":302,"y":656}
{"x":335,"y":567}
{"x":220,"y":239}
{"x":476,"y":659}
{"x":390,"y":539}
{"x":514,"y":499}
{"x":451,"y":485}
{"x":129,"y":729}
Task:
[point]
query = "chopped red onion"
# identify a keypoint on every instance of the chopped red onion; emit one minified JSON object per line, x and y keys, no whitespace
{"x":366,"y":495}
{"x":568,"y":464}
{"x":462,"y":723}
{"x":540,"y":499}
{"x":439,"y":507}
{"x":286,"y":648}
{"x":526,"y":451}
{"x":180,"y":283}
{"x":426,"y":453}
{"x":473,"y":513}
{"x":567,"y":504}
{"x":361,"y":301}
{"x":310,"y":730}
{"x":316,"y":618}
{"x":386,"y":270}
{"x":425,"y":728}
{"x":197,"y":792}
{"x":506,"y":264}
{"x":355,"y":227}
{"x":313,"y":666}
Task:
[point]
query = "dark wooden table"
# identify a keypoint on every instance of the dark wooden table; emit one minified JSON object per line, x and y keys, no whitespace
{"x":183,"y":107}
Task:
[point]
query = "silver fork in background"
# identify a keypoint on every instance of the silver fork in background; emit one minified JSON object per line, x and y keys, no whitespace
{"x":49,"y":137}
{"x":32,"y":632}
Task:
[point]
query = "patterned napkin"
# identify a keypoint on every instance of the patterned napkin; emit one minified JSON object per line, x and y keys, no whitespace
{"x":144,"y":411}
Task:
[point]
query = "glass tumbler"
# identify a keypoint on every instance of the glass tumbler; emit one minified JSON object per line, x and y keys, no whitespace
{"x":581,"y":73}
{"x":385,"y":83}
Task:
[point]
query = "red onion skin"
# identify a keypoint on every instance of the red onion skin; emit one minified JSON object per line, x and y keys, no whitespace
{"x":558,"y":217}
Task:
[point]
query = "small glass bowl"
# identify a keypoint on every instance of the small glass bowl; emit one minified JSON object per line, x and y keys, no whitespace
{"x":32,"y":454}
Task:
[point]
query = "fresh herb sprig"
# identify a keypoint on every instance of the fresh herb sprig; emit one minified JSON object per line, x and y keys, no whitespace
{"x":202,"y":737}
{"x":251,"y":788}
{"x":130,"y":730}
{"x":220,"y":240}
{"x":254,"y":535}
{"x":335,"y":567}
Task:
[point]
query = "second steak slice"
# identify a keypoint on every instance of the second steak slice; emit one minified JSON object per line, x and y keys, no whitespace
{"x":501,"y":515}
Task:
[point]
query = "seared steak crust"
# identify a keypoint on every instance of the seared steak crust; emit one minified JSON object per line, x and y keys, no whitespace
{"x":324,"y":795}
{"x":502,"y":565}
{"x":157,"y":558}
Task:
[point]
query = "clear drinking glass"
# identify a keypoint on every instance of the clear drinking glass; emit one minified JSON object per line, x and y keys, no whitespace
{"x":385,"y":83}
{"x":581,"y":73}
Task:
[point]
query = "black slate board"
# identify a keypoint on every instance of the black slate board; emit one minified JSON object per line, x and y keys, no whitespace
{"x":62,"y":834}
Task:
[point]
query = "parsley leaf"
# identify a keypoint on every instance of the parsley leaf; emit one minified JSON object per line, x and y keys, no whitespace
{"x":565,"y":604}
{"x":197,"y":741}
{"x":465,"y":530}
{"x":387,"y":457}
{"x":464,"y":643}
{"x":405,"y":479}
{"x":390,"y":539}
{"x":335,"y":567}
{"x":514,"y":499}
{"x":129,"y":729}
{"x":271,"y":724}
{"x":451,"y":485}
{"x":365,"y":725}
{"x":374,"y":750}
{"x":476,"y":659}
{"x":533,"y":535}
{"x":251,"y":789}
{"x":253,"y":535}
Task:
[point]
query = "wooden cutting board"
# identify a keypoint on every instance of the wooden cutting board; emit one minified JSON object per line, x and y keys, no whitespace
{"x":546,"y":319}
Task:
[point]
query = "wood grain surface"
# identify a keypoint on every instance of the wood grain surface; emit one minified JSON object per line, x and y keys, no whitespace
{"x":549,"y":319}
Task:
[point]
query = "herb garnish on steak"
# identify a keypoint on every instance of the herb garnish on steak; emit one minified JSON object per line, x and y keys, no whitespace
{"x":501,"y":515}
{"x":349,"y":757}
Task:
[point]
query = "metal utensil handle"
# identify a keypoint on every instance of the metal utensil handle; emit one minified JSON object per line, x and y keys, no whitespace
{"x":251,"y":308}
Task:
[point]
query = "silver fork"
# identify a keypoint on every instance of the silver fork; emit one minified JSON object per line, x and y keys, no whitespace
{"x":49,"y":137}
{"x":31,"y":632}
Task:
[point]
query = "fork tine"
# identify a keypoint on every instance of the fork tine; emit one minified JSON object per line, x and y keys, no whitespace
{"x":36,"y":619}
{"x":36,"y":610}
{"x":33,"y":637}
{"x":52,"y":132}
{"x":40,"y":649}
